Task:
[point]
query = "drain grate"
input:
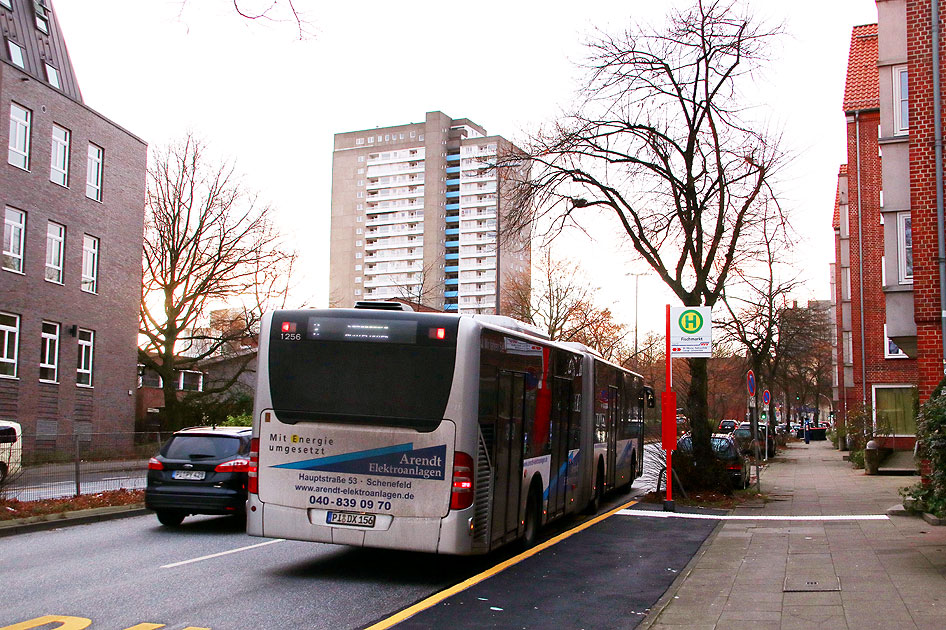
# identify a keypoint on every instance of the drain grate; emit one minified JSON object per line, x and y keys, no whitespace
{"x":794,"y":584}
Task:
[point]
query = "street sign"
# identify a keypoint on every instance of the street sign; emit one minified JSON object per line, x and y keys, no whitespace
{"x":750,"y":382}
{"x":766,"y":397}
{"x":691,"y":331}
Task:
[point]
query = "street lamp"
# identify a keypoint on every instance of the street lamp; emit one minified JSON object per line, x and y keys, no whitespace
{"x":637,"y":276}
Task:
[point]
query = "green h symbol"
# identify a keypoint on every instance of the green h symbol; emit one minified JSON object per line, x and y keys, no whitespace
{"x":690,"y":321}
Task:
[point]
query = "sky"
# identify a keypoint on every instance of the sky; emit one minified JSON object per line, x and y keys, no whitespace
{"x":271,"y":103}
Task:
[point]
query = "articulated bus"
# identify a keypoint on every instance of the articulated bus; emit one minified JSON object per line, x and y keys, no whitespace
{"x":432,"y":432}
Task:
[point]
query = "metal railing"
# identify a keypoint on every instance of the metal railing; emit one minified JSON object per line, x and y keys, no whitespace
{"x":53,"y":466}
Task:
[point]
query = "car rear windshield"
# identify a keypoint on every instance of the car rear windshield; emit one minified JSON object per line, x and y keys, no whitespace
{"x":202,"y":447}
{"x":723,"y":447}
{"x":382,"y":368}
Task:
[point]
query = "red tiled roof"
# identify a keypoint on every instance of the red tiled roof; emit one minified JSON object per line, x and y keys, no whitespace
{"x":861,"y":90}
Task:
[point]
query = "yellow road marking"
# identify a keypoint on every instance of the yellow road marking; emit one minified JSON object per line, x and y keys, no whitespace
{"x":436,"y":598}
{"x":68,"y":623}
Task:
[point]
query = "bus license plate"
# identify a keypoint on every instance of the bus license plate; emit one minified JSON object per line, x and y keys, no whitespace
{"x":196,"y":475}
{"x":351,"y":518}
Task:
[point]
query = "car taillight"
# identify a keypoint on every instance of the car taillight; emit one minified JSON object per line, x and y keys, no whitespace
{"x":240,"y":464}
{"x":154,"y":464}
{"x":253,"y":469}
{"x":736,"y":467}
{"x":462,"y":495}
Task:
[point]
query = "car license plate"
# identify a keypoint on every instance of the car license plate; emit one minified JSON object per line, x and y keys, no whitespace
{"x":195,"y":475}
{"x":351,"y":518}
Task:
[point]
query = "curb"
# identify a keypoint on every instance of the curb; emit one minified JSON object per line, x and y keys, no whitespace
{"x":65,"y":519}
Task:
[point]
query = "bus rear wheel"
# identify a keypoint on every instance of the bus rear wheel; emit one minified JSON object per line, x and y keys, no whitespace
{"x":595,"y":504}
{"x":530,"y":535}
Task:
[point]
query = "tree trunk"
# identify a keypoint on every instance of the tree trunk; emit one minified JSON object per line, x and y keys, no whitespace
{"x":697,"y":413}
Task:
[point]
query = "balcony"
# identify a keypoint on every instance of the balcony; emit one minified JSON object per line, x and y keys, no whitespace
{"x":396,"y":217}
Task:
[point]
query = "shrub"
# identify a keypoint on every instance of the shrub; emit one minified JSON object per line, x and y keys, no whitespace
{"x":241,"y":420}
{"x":857,"y":459}
{"x":930,"y":493}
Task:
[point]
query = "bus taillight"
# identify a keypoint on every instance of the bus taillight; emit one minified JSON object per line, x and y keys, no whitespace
{"x":462,"y":496}
{"x":253,"y":480}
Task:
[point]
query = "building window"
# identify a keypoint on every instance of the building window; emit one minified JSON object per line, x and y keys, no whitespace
{"x":191,"y":381}
{"x":52,"y":76}
{"x":891,"y":350}
{"x":9,"y":333}
{"x":360,"y":141}
{"x":893,"y":409}
{"x":42,"y":15}
{"x":59,"y":159}
{"x":845,"y":283}
{"x":901,"y":102}
{"x":847,"y":348}
{"x":49,"y":353}
{"x":55,"y":242}
{"x":19,"y":153}
{"x":84,"y":363}
{"x":149,"y":378}
{"x":14,"y":229}
{"x":16,"y":54}
{"x":905,"y":247}
{"x":90,"y":264}
{"x":93,"y":177}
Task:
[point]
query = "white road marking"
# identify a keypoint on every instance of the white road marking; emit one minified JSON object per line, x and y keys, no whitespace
{"x":726,"y":517}
{"x":222,"y":553}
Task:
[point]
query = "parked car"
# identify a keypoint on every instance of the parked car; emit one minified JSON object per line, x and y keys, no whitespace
{"x":727,"y":426}
{"x":743,"y":436}
{"x":11,"y":448}
{"x":724,"y":449}
{"x":201,"y":470}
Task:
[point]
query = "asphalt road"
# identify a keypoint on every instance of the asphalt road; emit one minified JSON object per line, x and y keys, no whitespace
{"x":209,"y":574}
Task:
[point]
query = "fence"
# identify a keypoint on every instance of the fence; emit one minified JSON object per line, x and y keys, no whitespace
{"x":49,"y":466}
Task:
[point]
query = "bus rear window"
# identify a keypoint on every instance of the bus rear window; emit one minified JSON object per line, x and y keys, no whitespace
{"x":371,"y":369}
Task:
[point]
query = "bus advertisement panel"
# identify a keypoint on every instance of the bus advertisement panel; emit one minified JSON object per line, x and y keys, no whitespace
{"x":318,"y":467}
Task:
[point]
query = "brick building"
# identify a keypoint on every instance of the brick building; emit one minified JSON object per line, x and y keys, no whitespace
{"x":873,"y":371}
{"x":72,"y":195}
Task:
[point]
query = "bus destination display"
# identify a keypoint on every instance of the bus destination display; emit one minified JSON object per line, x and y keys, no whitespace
{"x":365,"y":330}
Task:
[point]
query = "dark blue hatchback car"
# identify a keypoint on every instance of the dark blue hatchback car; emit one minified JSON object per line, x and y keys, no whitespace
{"x":201,"y":470}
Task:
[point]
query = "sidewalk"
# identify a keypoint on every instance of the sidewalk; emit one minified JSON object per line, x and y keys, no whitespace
{"x":814,"y":574}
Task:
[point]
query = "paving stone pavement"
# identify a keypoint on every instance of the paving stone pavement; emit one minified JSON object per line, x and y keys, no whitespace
{"x":815,"y":574}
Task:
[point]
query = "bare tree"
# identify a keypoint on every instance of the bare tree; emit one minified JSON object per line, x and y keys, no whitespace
{"x":208,"y":243}
{"x":659,"y":142}
{"x":560,"y":303}
{"x":424,"y":287}
{"x":278,"y":11}
{"x":757,"y":307}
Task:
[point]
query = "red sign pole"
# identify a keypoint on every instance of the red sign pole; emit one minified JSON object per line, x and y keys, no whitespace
{"x":668,"y":407}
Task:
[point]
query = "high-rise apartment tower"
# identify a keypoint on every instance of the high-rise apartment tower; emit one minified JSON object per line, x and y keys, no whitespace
{"x":416,"y":214}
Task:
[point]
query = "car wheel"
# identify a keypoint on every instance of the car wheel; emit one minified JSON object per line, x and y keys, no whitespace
{"x":170,"y":518}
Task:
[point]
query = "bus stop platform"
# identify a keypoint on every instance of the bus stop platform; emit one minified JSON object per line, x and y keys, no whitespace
{"x":604,"y":573}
